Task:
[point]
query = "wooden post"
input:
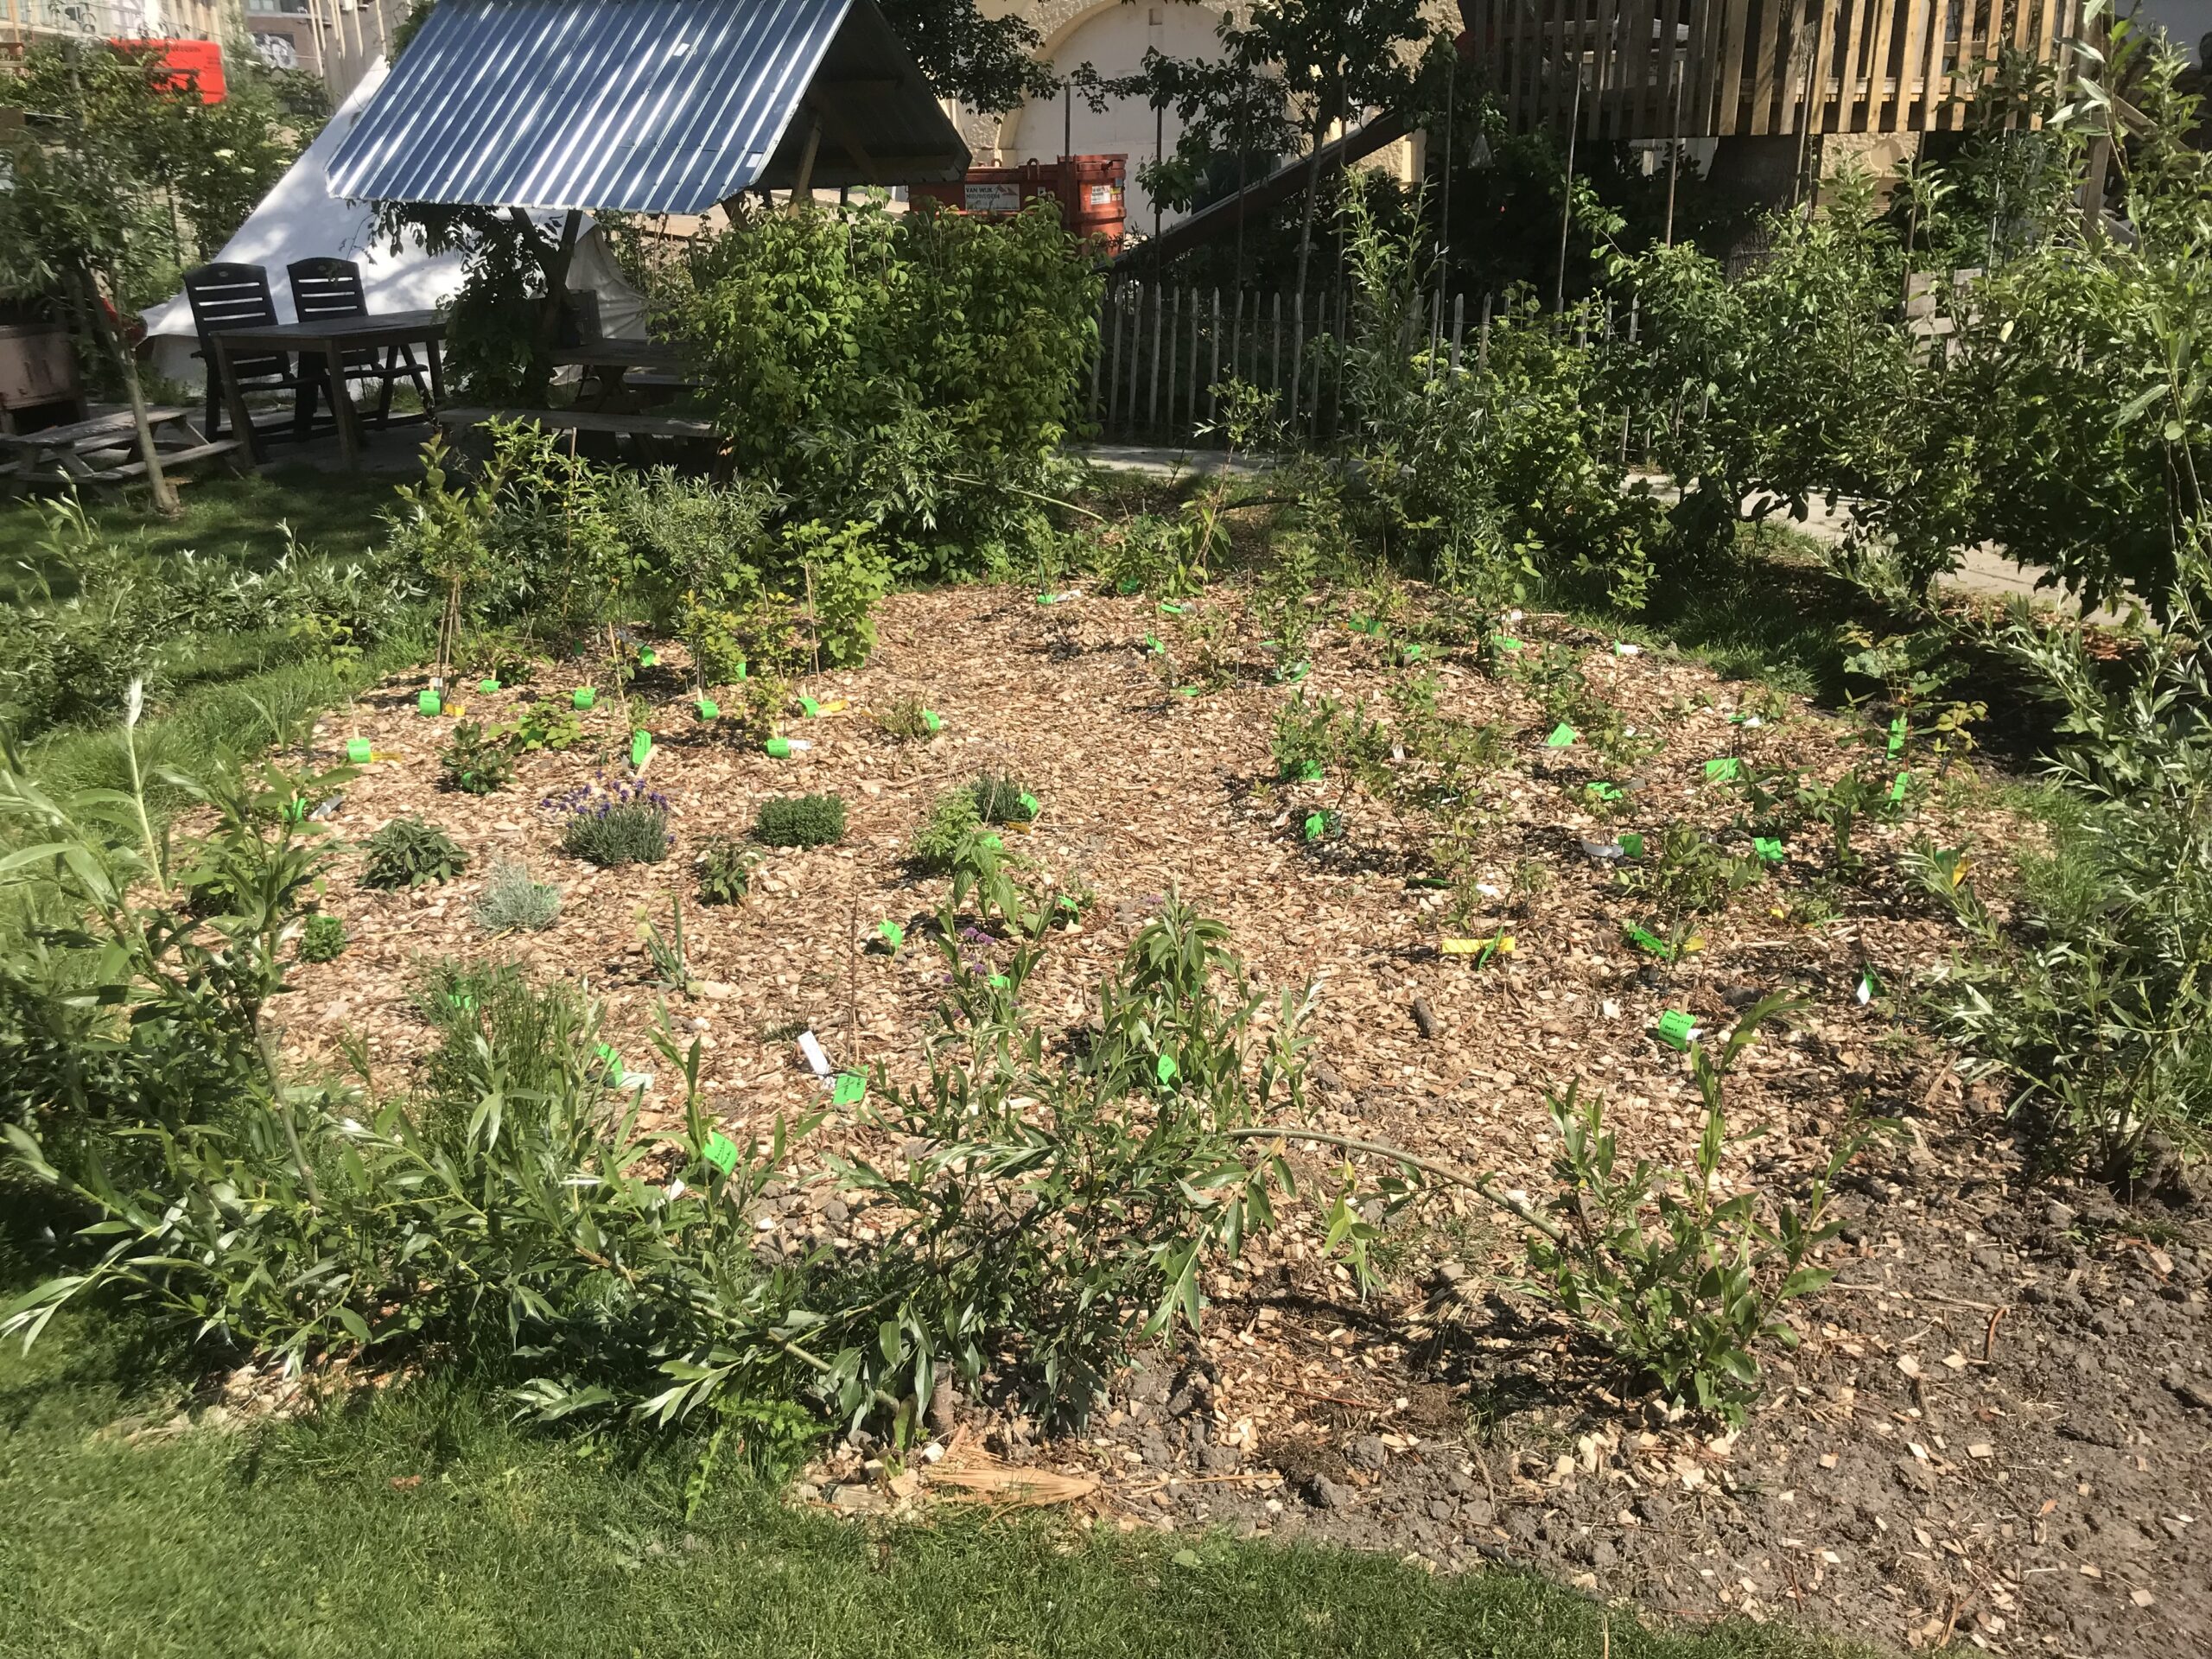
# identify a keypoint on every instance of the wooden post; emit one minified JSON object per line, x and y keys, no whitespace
{"x":1174,"y":338}
{"x":802,"y":180}
{"x":1459,"y":326}
{"x":1158,"y":326}
{"x":1297,"y":352}
{"x":1213,"y":379}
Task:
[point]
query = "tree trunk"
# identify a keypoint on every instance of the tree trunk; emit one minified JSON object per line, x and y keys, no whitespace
{"x":164,"y":493}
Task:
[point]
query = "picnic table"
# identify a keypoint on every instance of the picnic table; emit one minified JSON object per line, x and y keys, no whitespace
{"x":104,"y":449}
{"x":331,"y":339}
{"x":646,"y":432}
{"x":615,"y":367}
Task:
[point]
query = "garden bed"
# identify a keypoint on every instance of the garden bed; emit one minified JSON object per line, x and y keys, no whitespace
{"x":1998,"y":1420}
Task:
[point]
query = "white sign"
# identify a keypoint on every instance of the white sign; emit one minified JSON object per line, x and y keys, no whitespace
{"x":994,"y":198}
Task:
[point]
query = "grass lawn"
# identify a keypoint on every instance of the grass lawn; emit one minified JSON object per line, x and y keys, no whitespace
{"x":228,"y":517}
{"x":297,"y":1540}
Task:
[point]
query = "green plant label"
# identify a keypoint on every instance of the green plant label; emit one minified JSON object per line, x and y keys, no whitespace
{"x":358,"y":752}
{"x":1676,"y":1029}
{"x":1869,"y":987}
{"x":1562,"y":735}
{"x":1031,"y":805}
{"x":428,"y":702}
{"x":584,"y":697}
{"x":931,"y":721}
{"x":998,"y":982}
{"x":1360,"y":624}
{"x":1126,"y":586}
{"x":1622,"y":648}
{"x":850,"y":1089}
{"x":641,"y":745}
{"x":1152,"y":643}
{"x":460,"y":1002}
{"x":1166,"y":1070}
{"x":741,"y":668}
{"x":611,"y":1061}
{"x":1768,"y":848}
{"x":1294,"y":675}
{"x":1898,"y":789}
{"x":1186,"y":690}
{"x":1168,"y":608}
{"x":891,"y":933}
{"x":778,"y":748}
{"x":1897,"y":735}
{"x":1311,"y":771}
{"x":1656,"y":946}
{"x":708,"y":707}
{"x":1506,"y":642}
{"x":1413,"y":653}
{"x":719,"y":1151}
{"x":1726,"y":770}
{"x":809,"y":707}
{"x":648,"y":657}
{"x":993,"y":842}
{"x":1604,"y":791}
{"x":1317,"y":825}
{"x":488,"y":684}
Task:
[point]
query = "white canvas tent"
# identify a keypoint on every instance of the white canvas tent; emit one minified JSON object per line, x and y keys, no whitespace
{"x":300,"y":219}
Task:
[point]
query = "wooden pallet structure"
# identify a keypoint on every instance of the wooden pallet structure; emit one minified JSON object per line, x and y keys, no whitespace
{"x":1685,"y":69}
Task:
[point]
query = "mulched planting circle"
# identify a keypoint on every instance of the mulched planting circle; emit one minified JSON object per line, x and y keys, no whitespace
{"x":1998,"y":1429}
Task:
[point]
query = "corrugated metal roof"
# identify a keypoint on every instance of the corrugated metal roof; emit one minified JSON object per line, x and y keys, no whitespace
{"x":643,"y":105}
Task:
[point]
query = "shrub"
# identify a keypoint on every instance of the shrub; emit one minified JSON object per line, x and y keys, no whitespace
{"x":907,"y":721}
{"x":1308,"y":736}
{"x":1001,"y":799}
{"x":800,"y":821}
{"x":1681,"y":1283}
{"x":412,"y":853}
{"x":477,"y":761}
{"x":626,"y":824}
{"x":845,"y":571}
{"x":512,"y":902}
{"x":323,"y":940}
{"x":544,"y":725}
{"x":726,"y":871}
{"x":952,"y":819}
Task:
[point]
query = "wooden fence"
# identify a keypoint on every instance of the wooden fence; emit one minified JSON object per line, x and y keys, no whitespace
{"x":1731,"y":68}
{"x":1164,"y":350}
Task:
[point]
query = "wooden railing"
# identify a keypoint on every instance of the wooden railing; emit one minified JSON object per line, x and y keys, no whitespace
{"x":1732,"y":68}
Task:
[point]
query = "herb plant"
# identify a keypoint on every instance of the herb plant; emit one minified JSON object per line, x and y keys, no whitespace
{"x":322,"y":938}
{"x":800,"y":821}
{"x":412,"y":853}
{"x":477,"y":761}
{"x":612,"y":824}
{"x":514,"y":902}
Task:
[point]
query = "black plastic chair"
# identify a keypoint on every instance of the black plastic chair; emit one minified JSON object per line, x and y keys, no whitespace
{"x":326,"y":287}
{"x":237,"y":296}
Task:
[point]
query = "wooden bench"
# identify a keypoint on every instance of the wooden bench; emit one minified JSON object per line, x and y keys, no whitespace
{"x":104,"y":449}
{"x":616,"y":421}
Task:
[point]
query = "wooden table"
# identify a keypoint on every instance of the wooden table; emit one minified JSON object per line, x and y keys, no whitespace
{"x":330,"y":338}
{"x":104,"y":449}
{"x":608,"y":364}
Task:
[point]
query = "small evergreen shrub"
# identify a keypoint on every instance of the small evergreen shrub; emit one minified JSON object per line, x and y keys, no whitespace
{"x":412,"y":853}
{"x":323,"y":940}
{"x":800,"y":821}
{"x":907,"y":721}
{"x":952,"y":817}
{"x":725,"y":872}
{"x":626,"y":824}
{"x":512,"y":902}
{"x":478,"y":760}
{"x":1001,"y":799}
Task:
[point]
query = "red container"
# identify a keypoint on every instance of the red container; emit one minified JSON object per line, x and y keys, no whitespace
{"x":1090,"y":189}
{"x":193,"y":65}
